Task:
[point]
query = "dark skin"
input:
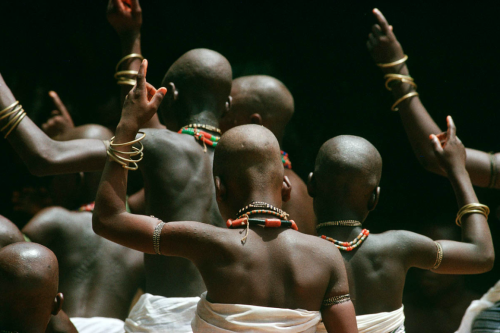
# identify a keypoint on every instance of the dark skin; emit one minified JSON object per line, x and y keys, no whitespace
{"x":263,"y":100}
{"x":177,"y":172}
{"x":385,"y":48}
{"x":28,"y":287}
{"x":98,"y":277}
{"x":9,"y":233}
{"x":377,"y":269}
{"x":60,"y":323}
{"x":269,"y":269}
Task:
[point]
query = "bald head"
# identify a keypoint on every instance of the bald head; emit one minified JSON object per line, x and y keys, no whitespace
{"x":29,"y":277}
{"x":260,"y":95}
{"x":348,"y":170}
{"x":202,"y":80}
{"x":9,"y":233}
{"x":247,"y":160}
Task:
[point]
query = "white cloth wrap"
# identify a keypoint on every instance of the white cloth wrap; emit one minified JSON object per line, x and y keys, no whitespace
{"x":161,"y":314}
{"x":97,"y":325}
{"x":218,"y":318}
{"x":383,"y":322}
{"x":486,"y":301}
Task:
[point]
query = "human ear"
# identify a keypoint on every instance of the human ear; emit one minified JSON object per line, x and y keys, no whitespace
{"x":229,"y":103}
{"x":286,"y":189}
{"x":256,"y":119}
{"x":311,"y":185}
{"x":220,"y":189}
{"x":57,"y":305}
{"x":374,"y":199}
{"x":172,"y":93}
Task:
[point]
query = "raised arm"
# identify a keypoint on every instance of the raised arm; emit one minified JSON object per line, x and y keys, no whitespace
{"x":44,"y":156}
{"x":125,"y":16}
{"x":475,"y":253}
{"x":385,"y":49}
{"x":111,"y":220}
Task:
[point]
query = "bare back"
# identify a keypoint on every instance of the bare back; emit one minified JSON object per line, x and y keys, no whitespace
{"x":97,"y":277}
{"x":275,"y":267}
{"x":179,"y":185}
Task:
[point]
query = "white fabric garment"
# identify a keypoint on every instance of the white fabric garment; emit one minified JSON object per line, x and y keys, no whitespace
{"x":486,"y":301}
{"x":97,"y":325}
{"x":161,"y":314}
{"x":383,"y":322}
{"x":219,"y":318}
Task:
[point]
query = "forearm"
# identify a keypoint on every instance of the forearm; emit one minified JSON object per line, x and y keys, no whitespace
{"x":130,"y":43}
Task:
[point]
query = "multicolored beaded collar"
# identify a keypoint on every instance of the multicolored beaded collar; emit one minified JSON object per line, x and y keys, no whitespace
{"x":87,"y":208}
{"x":286,"y":161}
{"x":205,"y":137}
{"x":258,"y":207}
{"x":348,"y":246}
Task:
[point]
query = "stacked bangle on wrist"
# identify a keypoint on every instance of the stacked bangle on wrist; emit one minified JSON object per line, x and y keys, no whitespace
{"x":394,"y":63}
{"x":472,"y":208}
{"x":127,"y":77}
{"x":124,"y":162}
{"x":16,"y":113}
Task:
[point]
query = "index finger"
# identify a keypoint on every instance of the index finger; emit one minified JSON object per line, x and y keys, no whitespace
{"x":58,"y":103}
{"x":141,"y":75}
{"x":452,"y":130}
{"x":381,"y":20}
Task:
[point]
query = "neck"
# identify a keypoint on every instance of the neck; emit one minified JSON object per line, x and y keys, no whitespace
{"x":338,"y":213}
{"x":262,"y":197}
{"x":204,"y":117}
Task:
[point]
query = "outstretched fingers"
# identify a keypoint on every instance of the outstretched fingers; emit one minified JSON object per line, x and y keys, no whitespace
{"x":436,"y":144}
{"x":63,"y":111}
{"x":158,"y":97}
{"x":451,"y":133}
{"x":141,"y":76}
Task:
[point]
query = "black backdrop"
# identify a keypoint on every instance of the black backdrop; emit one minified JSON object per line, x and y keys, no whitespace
{"x":318,"y":50}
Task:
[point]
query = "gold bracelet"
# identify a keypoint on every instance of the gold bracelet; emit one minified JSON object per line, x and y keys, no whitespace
{"x":439,"y":256}
{"x":394,"y":63}
{"x":493,"y":170}
{"x":129,"y":82}
{"x":409,"y":95}
{"x":16,"y":109}
{"x":398,"y":77}
{"x":130,"y":56}
{"x":120,"y":74}
{"x":122,"y":160}
{"x":9,"y":107}
{"x":15,"y":125}
{"x":13,"y":119}
{"x":336,"y":300}
{"x":156,"y":237}
{"x":472,"y":208}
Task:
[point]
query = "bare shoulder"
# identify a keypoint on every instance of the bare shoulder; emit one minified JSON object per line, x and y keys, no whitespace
{"x":9,"y":232}
{"x":319,"y":249}
{"x":54,"y":220}
{"x":161,"y":138}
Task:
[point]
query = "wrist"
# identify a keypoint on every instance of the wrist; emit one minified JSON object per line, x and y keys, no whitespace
{"x":457,"y":173}
{"x":130,"y":37}
{"x":127,"y":127}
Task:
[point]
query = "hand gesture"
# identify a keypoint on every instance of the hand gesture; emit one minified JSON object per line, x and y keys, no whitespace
{"x":449,"y":150}
{"x":125,"y":16}
{"x":60,"y":120}
{"x":382,"y":43}
{"x":142,"y":101}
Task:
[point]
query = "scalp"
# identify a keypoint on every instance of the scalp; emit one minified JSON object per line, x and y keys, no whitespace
{"x":9,"y":232}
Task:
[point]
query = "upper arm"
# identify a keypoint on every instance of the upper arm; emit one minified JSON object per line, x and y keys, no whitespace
{"x":482,"y":169}
{"x":417,"y":250}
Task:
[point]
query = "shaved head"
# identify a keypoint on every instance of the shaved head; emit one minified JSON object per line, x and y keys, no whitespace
{"x":348,"y":170}
{"x":203,"y":80}
{"x":29,"y":278}
{"x":9,"y":233}
{"x":247,"y":160}
{"x":263,"y":95}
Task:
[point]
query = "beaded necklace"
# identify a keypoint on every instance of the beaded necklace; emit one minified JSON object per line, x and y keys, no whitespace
{"x":286,"y":161}
{"x":205,"y":126}
{"x":349,"y":246}
{"x":87,"y":208}
{"x":260,"y":207}
{"x":341,"y":223}
{"x":267,"y":223}
{"x":204,"y":137}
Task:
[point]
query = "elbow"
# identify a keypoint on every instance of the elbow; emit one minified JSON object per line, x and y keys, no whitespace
{"x":97,"y":224}
{"x":40,"y":165}
{"x":489,"y":261}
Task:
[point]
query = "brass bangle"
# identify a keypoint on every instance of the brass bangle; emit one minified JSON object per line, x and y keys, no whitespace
{"x":471,"y":208}
{"x":156,"y":237}
{"x":15,"y":125}
{"x":398,"y":77}
{"x":120,"y":74}
{"x":112,"y":144}
{"x":130,"y":56}
{"x":493,"y":171}
{"x":336,"y":300}
{"x":9,"y":107}
{"x":394,"y":63}
{"x":16,"y":109}
{"x":409,"y":95}
{"x":126,"y":82}
{"x":123,"y":164}
{"x":131,"y":153}
{"x":12,"y":120}
{"x":439,"y":256}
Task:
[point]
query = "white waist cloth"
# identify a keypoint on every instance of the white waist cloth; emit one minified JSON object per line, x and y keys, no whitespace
{"x":488,"y":300}
{"x":383,"y":322}
{"x":218,"y":318}
{"x":161,"y":314}
{"x":97,"y":325}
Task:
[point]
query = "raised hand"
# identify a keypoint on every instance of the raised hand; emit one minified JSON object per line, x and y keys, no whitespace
{"x":382,"y":43}
{"x":449,"y":150}
{"x":60,"y":120}
{"x":142,"y":101}
{"x":125,"y":16}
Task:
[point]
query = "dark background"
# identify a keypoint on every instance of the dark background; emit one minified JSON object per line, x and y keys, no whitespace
{"x":318,"y":50}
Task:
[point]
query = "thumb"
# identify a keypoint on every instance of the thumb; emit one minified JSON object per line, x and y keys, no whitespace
{"x":436,"y":145}
{"x":158,"y":97}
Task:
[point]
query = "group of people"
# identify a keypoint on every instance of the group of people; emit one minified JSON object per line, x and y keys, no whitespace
{"x":224,"y":236}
